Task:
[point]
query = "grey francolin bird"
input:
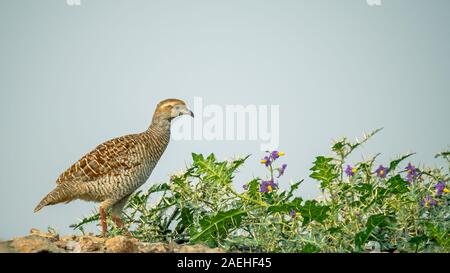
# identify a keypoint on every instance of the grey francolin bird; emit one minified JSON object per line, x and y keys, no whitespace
{"x":115,"y":169}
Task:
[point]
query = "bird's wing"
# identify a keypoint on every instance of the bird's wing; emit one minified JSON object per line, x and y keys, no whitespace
{"x":108,"y":159}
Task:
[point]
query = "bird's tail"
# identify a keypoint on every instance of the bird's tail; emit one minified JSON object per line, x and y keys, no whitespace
{"x":61,"y":194}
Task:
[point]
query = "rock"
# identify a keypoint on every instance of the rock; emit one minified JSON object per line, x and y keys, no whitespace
{"x":39,"y":241}
{"x":73,"y":247}
{"x":49,"y":235}
{"x":4,"y":248}
{"x":64,"y":242}
{"x":373,"y":247}
{"x":198,"y":249}
{"x":154,"y":248}
{"x":121,"y":244}
{"x":91,"y":244}
{"x":34,"y":244}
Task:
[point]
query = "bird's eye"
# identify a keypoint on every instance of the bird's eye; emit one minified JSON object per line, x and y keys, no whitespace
{"x":177,"y":107}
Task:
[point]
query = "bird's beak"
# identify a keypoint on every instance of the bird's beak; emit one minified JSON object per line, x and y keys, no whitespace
{"x":186,"y":111}
{"x":191,"y":113}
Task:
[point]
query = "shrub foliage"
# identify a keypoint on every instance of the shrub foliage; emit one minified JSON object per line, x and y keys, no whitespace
{"x":364,"y":206}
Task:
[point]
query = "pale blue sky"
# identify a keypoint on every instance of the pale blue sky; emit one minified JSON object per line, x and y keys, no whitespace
{"x":73,"y":77}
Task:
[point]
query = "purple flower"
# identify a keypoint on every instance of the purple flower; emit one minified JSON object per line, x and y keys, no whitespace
{"x":381,"y":171}
{"x":293,"y":213}
{"x":428,"y":201}
{"x":272,"y":156}
{"x":411,"y":169}
{"x":276,"y":154}
{"x":266,"y":161}
{"x":441,"y":188}
{"x":267,"y":186}
{"x":350,"y":171}
{"x":281,"y":170}
{"x":412,"y":172}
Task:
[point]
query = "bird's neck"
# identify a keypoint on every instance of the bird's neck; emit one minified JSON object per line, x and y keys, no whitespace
{"x":160,"y":124}
{"x":159,"y":130}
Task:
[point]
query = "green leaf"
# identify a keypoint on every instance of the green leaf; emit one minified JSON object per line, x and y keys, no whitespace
{"x":418,"y":240}
{"x":311,"y":211}
{"x":217,"y":227}
{"x":295,"y":204}
{"x":237,"y":163}
{"x":334,"y":230}
{"x":253,"y":188}
{"x":361,"y":239}
{"x":377,"y":220}
{"x":338,"y":146}
{"x":397,"y":185}
{"x":324,"y":171}
{"x":291,"y":191}
{"x":439,"y":234}
{"x":186,"y":219}
{"x":395,"y":163}
{"x":211,"y":158}
{"x":93,"y":218}
{"x":365,"y":138}
{"x":310,"y":248}
{"x":445,"y":154}
{"x":364,"y":188}
{"x":197,"y":158}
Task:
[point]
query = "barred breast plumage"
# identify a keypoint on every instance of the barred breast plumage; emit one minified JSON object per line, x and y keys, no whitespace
{"x":115,"y":169}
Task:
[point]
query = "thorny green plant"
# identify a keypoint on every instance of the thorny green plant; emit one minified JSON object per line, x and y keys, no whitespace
{"x":364,"y":207}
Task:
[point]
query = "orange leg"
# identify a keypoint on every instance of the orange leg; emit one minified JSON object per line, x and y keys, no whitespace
{"x":120,"y":224}
{"x":103,"y":221}
{"x":117,"y":221}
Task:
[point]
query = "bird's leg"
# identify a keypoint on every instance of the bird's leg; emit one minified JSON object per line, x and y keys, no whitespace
{"x":103,"y":221}
{"x":103,"y":207}
{"x":119,"y":224}
{"x":116,"y":211}
{"x":117,"y":221}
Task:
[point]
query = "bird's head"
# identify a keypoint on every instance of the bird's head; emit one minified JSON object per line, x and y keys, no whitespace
{"x":171,"y":108}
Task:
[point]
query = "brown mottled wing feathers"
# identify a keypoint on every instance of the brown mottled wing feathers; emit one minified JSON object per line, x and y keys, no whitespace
{"x":110,"y":158}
